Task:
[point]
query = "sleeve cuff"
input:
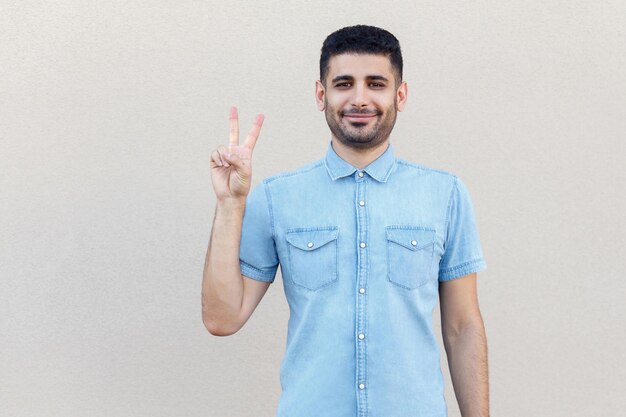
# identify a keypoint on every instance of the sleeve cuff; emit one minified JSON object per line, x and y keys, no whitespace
{"x":265,"y":275}
{"x":462,"y":269}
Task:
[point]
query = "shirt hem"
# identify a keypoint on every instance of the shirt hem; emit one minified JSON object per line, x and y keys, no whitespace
{"x":462,"y":269}
{"x":257,"y":273}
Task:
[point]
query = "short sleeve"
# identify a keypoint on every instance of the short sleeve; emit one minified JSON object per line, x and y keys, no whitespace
{"x":257,"y":252}
{"x":462,"y":253}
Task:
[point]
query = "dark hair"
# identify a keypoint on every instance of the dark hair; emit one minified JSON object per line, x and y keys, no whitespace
{"x":361,"y":39}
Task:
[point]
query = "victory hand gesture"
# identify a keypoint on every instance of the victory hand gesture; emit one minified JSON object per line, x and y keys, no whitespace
{"x":231,"y":168}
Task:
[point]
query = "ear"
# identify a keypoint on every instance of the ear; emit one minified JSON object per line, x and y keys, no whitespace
{"x":320,"y":93}
{"x":401,"y":95}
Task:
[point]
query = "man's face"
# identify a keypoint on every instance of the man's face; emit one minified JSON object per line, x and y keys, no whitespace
{"x":360,"y":99}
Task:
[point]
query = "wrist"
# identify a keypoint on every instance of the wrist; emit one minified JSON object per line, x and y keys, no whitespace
{"x":230,"y":204}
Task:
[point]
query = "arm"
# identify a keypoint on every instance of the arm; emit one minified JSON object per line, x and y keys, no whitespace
{"x":228,"y":299}
{"x":465,"y":344}
{"x":222,"y":286}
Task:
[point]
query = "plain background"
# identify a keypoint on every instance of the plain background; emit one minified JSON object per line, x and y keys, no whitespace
{"x":109,"y":112}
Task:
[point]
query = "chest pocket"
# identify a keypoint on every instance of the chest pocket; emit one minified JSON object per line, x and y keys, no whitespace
{"x":410,"y":253}
{"x":313,"y":256}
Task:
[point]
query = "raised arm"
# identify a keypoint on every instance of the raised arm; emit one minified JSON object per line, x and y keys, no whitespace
{"x":227,"y":302}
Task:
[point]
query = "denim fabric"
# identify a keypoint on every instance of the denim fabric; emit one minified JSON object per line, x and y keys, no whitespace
{"x":361,"y":253}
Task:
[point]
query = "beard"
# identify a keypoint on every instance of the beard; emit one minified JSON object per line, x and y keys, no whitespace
{"x":361,"y":135}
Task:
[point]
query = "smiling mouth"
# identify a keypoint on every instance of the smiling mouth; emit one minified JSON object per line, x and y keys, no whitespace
{"x":359,"y":117}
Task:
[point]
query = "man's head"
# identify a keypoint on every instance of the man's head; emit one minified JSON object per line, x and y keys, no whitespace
{"x":360,"y":87}
{"x":362,"y":39}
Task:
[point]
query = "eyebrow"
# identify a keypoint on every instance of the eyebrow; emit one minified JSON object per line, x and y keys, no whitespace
{"x":351,"y":78}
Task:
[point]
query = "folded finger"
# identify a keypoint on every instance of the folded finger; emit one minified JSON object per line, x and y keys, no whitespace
{"x":215,"y":157}
{"x":223,"y":153}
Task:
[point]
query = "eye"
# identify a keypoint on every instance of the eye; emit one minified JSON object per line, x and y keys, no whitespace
{"x":377,"y":84}
{"x":342,"y":85}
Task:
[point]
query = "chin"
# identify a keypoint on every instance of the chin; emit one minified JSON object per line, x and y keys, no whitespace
{"x":365,"y":143}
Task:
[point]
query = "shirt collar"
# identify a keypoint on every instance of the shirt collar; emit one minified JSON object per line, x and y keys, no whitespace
{"x":379,"y":169}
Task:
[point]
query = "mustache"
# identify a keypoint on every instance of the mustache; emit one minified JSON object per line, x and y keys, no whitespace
{"x":360,"y":112}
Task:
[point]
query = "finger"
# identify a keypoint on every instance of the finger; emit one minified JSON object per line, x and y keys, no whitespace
{"x":233,"y":159}
{"x":254,"y":132}
{"x":234,"y":126}
{"x":216,"y":158}
{"x":223,"y":152}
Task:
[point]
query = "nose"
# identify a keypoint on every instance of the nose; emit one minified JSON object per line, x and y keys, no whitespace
{"x":360,"y":98}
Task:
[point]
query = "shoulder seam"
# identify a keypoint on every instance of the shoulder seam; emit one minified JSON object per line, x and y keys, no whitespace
{"x":268,"y":197}
{"x":423,"y":167}
{"x":448,"y":209}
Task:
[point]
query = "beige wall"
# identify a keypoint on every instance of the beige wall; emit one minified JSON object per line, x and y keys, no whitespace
{"x":109,"y":112}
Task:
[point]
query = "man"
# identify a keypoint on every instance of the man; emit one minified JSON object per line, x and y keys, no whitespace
{"x":367,"y":244}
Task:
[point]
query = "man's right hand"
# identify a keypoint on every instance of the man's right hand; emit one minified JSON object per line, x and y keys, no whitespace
{"x":231,"y":166}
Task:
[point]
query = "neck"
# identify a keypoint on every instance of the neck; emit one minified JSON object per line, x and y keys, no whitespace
{"x":358,"y":158}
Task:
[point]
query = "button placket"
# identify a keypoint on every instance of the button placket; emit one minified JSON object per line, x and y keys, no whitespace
{"x":361,"y":299}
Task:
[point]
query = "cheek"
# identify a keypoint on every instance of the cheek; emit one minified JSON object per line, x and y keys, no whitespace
{"x":336,"y":101}
{"x":383,"y":98}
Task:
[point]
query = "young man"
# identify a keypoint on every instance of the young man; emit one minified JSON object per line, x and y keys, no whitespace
{"x":367,"y":244}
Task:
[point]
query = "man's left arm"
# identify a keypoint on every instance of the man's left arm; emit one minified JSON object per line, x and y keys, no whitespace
{"x":465,"y":343}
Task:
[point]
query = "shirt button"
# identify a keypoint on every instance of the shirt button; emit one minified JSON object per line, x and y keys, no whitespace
{"x":362,"y":244}
{"x":361,"y":336}
{"x":362,"y":290}
{"x":360,"y":174}
{"x":362,"y":386}
{"x":413,"y":242}
{"x":361,"y":203}
{"x":310,"y":244}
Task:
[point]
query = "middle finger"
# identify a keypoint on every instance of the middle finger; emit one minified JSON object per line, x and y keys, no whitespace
{"x":234,"y":127}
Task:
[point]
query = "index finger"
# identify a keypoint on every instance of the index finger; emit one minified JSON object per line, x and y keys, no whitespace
{"x":234,"y":126}
{"x":254,"y":132}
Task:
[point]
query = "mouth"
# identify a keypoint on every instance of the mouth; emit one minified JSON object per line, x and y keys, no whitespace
{"x":359,"y":117}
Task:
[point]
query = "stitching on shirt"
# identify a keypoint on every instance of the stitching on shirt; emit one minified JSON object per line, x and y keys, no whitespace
{"x":461,"y":266}
{"x":261,"y":272}
{"x":329,"y":171}
{"x":363,"y":354}
{"x":268,"y":196}
{"x":305,"y":169}
{"x":423,"y":167}
{"x":388,"y":173}
{"x":448,"y":217}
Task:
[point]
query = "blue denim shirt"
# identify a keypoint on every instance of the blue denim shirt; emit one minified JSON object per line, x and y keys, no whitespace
{"x":361,"y":253}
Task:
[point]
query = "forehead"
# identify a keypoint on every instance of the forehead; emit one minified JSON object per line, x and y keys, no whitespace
{"x":359,"y":65}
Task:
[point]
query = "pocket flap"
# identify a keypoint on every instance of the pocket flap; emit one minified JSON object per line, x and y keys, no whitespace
{"x":410,"y":238}
{"x":311,"y":239}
